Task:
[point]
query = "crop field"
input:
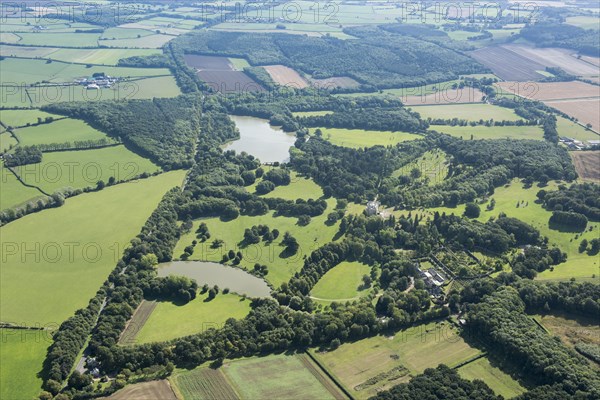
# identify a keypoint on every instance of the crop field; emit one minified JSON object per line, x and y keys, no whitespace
{"x":281,"y":268}
{"x":170,"y":321}
{"x":573,"y":130}
{"x":67,"y":265}
{"x":17,"y":118}
{"x":470,"y":112}
{"x":61,"y":131}
{"x":357,"y":138}
{"x":277,"y":377}
{"x":392,"y":360}
{"x":551,"y":90}
{"x":584,"y":110}
{"x":500,"y":382}
{"x":342,"y":282}
{"x":446,"y":96}
{"x":83,"y":168}
{"x":145,"y":390}
{"x":21,"y":357}
{"x":204,"y":383}
{"x":508,"y":65}
{"x":554,"y":57}
{"x":219,"y":73}
{"x":572,"y":329}
{"x":14,"y":192}
{"x":154,"y":41}
{"x":83,"y":56}
{"x":286,"y":76}
{"x":492,"y":132}
{"x":238,"y":64}
{"x":586,"y":164}
{"x":137,"y":321}
{"x":60,"y":39}
{"x":16,"y":71}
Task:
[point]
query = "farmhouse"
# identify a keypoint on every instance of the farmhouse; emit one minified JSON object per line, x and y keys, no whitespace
{"x":373,"y":207}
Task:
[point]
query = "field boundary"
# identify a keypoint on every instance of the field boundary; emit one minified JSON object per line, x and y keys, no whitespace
{"x":137,"y":321}
{"x":329,"y":375}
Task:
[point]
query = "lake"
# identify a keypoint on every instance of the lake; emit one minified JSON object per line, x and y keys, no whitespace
{"x":260,"y":139}
{"x":236,"y":279}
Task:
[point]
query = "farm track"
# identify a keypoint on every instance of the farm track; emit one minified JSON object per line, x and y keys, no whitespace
{"x":322,"y":376}
{"x":137,"y":321}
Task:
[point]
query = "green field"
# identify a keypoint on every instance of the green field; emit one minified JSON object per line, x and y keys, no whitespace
{"x":153,"y":41}
{"x":500,"y":382}
{"x":357,"y":138}
{"x":7,"y":141}
{"x":275,"y":377}
{"x":584,"y":21}
{"x":573,"y":130}
{"x":14,"y":192}
{"x":293,"y":377}
{"x":342,"y":282}
{"x":169,"y":321}
{"x":18,"y":71}
{"x":83,"y":168}
{"x":491,"y":132}
{"x":60,"y":39}
{"x":300,"y":188}
{"x":16,"y":118}
{"x":281,"y":269}
{"x":22,"y":354}
{"x":61,"y":131}
{"x":470,"y":112}
{"x":415,"y":349}
{"x":84,"y":56}
{"x":56,"y":260}
{"x":311,"y":113}
{"x":239,"y":63}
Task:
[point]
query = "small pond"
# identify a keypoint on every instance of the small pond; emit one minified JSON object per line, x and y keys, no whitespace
{"x":236,"y":279}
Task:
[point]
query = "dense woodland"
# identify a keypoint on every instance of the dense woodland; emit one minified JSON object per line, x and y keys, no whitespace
{"x":391,"y":60}
{"x":165,"y":130}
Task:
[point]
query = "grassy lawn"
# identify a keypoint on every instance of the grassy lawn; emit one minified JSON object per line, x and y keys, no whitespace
{"x":492,"y":132}
{"x":16,"y":118}
{"x":169,"y":321}
{"x":344,"y":281}
{"x":274,"y":377}
{"x":570,"y":129}
{"x":14,"y":192}
{"x":48,"y":272}
{"x":61,"y":131}
{"x":470,"y":112}
{"x":415,"y":349}
{"x":299,"y":188}
{"x":281,"y":268}
{"x":22,"y":354}
{"x":357,"y":138}
{"x":83,"y":168}
{"x":500,"y":382}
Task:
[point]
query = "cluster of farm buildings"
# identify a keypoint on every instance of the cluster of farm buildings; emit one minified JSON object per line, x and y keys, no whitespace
{"x":574,"y":144}
{"x":98,"y":82}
